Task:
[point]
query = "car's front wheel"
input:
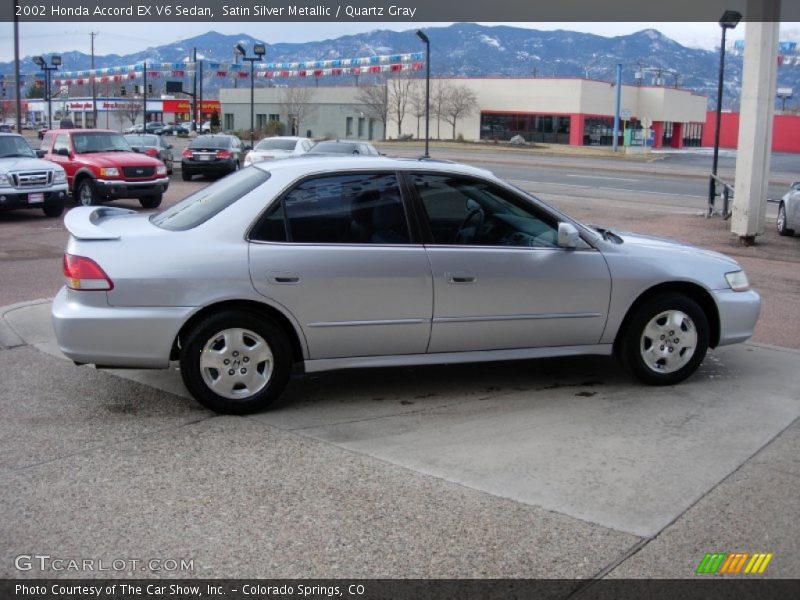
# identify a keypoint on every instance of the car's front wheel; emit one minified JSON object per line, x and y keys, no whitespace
{"x":236,"y":362}
{"x":86,"y":194}
{"x":783,"y":228}
{"x":55,"y":209}
{"x":151,"y":201}
{"x":665,"y":340}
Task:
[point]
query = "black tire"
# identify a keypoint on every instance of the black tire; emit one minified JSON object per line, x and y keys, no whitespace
{"x":86,"y":194}
{"x":635,"y":345}
{"x":151,"y":201}
{"x":186,"y":176}
{"x":54,"y":209}
{"x":781,"y":221}
{"x":234,"y":167}
{"x":243,"y":328}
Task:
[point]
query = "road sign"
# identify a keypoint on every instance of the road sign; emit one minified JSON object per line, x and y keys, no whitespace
{"x":625,"y":114}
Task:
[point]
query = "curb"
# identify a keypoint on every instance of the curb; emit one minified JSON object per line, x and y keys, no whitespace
{"x":9,"y":337}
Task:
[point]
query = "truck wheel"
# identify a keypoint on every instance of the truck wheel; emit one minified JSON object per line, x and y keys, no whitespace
{"x":150,"y":201}
{"x":86,"y":194}
{"x":54,"y":209}
{"x":186,"y":176}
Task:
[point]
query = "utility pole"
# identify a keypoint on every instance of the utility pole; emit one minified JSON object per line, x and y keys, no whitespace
{"x":194,"y":89}
{"x":94,"y":86}
{"x":144,"y":96}
{"x":16,"y":72}
{"x":200,"y":96}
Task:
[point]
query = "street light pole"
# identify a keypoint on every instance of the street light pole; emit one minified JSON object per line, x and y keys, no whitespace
{"x":259,"y":50}
{"x":730,"y":19}
{"x":421,"y":35}
{"x":55,"y":62}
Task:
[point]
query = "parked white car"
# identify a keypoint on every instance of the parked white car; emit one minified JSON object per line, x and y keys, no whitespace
{"x":789,"y":211}
{"x":275,"y":148}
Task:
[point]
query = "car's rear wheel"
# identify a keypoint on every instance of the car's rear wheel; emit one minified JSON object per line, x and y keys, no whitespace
{"x":150,"y":201}
{"x":236,"y":362}
{"x":665,"y":340}
{"x":86,"y":194}
{"x":783,"y":228}
{"x":186,"y":176}
{"x":54,"y":209}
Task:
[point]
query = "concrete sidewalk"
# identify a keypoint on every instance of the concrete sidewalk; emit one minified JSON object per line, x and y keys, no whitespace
{"x":556,"y":468}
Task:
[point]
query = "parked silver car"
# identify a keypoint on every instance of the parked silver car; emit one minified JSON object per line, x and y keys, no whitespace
{"x":789,"y":211}
{"x":373,"y":262}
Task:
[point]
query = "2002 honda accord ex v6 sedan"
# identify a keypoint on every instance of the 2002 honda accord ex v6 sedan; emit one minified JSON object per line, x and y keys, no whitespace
{"x":364,"y":262}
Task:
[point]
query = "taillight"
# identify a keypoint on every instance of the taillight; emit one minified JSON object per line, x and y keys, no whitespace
{"x":151,"y":152}
{"x":83,"y":273}
{"x":223,"y":154}
{"x":186,"y":153}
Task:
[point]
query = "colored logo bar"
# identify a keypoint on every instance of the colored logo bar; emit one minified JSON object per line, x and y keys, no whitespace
{"x":721,"y":563}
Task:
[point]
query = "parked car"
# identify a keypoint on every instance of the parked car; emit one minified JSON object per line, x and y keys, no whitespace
{"x":335,"y":262}
{"x":27,"y":181}
{"x":153,"y":126}
{"x":152,"y":145}
{"x":338,"y":147}
{"x":6,"y":128}
{"x":101,"y":165}
{"x":176,"y":129}
{"x":789,"y":211}
{"x":138,"y":128}
{"x":212,"y":155}
{"x":275,"y":148}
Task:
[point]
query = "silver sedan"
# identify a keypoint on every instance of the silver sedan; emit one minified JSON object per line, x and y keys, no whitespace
{"x":339,"y":263}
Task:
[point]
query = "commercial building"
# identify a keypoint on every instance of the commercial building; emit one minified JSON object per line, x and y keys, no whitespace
{"x":785,"y":131}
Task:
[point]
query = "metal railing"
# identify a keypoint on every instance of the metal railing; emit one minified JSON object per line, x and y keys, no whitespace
{"x":727,"y":195}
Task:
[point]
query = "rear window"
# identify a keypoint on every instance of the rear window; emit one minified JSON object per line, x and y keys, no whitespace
{"x":142,"y":140}
{"x":207,"y":202}
{"x":208,"y":141}
{"x":337,"y":147}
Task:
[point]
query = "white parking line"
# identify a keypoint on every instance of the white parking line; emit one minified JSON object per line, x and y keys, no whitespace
{"x":598,"y":177}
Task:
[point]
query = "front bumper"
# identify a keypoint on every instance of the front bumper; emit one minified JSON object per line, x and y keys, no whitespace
{"x":119,"y":188}
{"x":738,"y":314}
{"x":13,"y":198}
{"x":112,"y":336}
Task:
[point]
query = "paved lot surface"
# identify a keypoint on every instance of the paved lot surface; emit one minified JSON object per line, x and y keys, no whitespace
{"x":558,"y":468}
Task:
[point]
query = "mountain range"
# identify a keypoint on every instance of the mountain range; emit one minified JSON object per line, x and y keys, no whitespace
{"x":471,"y":50}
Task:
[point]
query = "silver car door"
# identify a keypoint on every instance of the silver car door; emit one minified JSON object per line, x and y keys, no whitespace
{"x":337,"y":253}
{"x":500,"y":280}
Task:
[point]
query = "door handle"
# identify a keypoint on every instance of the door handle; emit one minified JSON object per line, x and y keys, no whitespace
{"x":283,"y":277}
{"x":460,"y":277}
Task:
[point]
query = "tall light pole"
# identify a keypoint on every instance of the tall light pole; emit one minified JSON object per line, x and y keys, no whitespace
{"x":421,"y":35}
{"x":55,"y":62}
{"x":259,"y":50}
{"x":730,"y":19}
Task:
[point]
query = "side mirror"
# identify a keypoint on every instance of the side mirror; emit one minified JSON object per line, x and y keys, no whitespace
{"x":40,"y":153}
{"x":62,"y":152}
{"x":568,"y":236}
{"x":135,"y":149}
{"x":796,"y":185}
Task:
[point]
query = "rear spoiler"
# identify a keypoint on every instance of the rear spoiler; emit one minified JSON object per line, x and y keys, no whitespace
{"x":83,"y":222}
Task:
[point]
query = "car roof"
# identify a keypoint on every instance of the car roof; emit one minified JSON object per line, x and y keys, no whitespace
{"x":316,"y":164}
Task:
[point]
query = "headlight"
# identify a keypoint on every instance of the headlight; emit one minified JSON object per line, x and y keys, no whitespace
{"x":738,"y":281}
{"x":59,"y":177}
{"x":109,"y":172}
{"x":3,"y":179}
{"x":161,"y":170}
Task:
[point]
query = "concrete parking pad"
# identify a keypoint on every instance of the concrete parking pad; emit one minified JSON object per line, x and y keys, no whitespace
{"x":575,"y":436}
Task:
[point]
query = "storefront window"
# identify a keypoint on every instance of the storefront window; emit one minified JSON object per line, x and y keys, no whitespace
{"x":550,"y":129}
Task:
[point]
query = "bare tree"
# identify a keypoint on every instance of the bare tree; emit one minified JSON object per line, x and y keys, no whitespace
{"x":417,"y":99}
{"x":376,"y":103}
{"x":297,"y":102}
{"x":399,"y":92}
{"x":440,"y":96}
{"x":461,"y":102}
{"x":131,"y":110}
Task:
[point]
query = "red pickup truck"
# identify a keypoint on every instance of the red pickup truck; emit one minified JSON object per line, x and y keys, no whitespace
{"x":101,"y":165}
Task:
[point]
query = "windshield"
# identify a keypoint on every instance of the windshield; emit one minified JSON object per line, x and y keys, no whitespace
{"x":142,"y":140}
{"x":336,"y":147}
{"x":85,"y":143}
{"x":14,"y":145}
{"x":210,"y":141}
{"x":276,"y":144}
{"x":207,"y":202}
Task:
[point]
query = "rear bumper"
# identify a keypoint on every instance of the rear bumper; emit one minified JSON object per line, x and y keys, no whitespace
{"x":139,"y":337}
{"x":111,"y":188}
{"x":207,"y":166}
{"x":738,"y":314}
{"x":18,"y":199}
